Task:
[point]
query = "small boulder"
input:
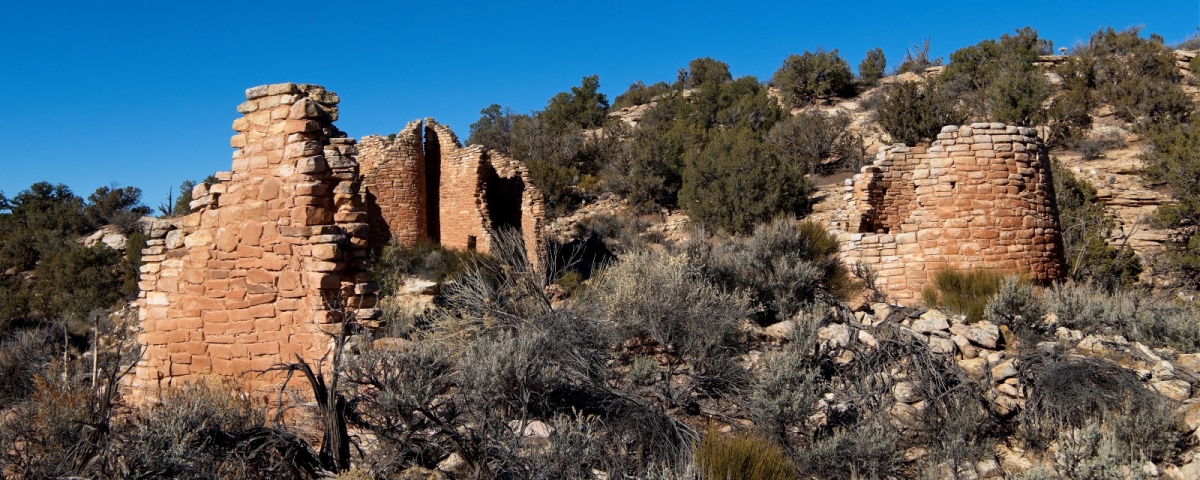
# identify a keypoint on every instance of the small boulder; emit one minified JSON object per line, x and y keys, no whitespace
{"x":941,"y":345}
{"x":931,"y":321}
{"x":988,"y":469}
{"x":454,"y":465}
{"x":976,"y":368}
{"x":964,"y":346}
{"x":392,"y":344}
{"x":114,"y":241}
{"x":1004,"y":370}
{"x":906,"y":392}
{"x":417,"y":286}
{"x":1008,"y":390}
{"x":1190,"y":361}
{"x":781,"y":331}
{"x":867,"y":339}
{"x":1173,"y":389}
{"x":1190,"y":412}
{"x":837,"y":335}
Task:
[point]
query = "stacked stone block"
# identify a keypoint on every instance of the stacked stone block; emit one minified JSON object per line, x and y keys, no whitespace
{"x":981,"y":197}
{"x":394,"y":181}
{"x":272,"y":257}
{"x":452,"y":195}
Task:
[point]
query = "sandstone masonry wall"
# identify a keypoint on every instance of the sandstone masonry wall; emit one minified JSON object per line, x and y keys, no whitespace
{"x":452,"y":195}
{"x":981,"y":197}
{"x":395,"y":188}
{"x":247,"y":280}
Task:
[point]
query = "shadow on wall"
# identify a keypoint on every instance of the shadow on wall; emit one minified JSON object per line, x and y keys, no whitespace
{"x":503,"y":197}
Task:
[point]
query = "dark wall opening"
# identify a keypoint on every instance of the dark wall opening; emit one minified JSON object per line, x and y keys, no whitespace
{"x":503,"y":197}
{"x":433,"y":184}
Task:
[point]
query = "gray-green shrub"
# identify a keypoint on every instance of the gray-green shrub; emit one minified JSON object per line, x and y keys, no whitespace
{"x":803,"y":79}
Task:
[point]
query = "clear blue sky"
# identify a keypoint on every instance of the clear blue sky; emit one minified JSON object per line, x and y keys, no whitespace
{"x":143,"y":94}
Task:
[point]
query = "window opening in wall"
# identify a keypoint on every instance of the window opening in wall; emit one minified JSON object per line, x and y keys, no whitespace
{"x":503,"y":197}
{"x":471,"y":242}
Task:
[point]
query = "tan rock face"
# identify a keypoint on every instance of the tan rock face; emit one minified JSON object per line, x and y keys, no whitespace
{"x":247,"y":278}
{"x":422,"y":183}
{"x":981,"y":197}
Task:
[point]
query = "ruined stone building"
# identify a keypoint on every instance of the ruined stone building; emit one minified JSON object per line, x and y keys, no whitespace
{"x":980,"y":197}
{"x":275,"y":255}
{"x":422,"y":183}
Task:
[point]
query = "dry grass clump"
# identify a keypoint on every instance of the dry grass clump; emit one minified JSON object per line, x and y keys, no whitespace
{"x":966,"y":293}
{"x":741,"y":456}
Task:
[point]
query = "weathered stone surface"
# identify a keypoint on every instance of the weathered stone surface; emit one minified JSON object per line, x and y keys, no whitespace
{"x":983,"y":334}
{"x":422,"y":183}
{"x":1173,"y":389}
{"x":906,"y":392}
{"x":837,"y":335}
{"x":976,"y":368}
{"x":781,"y":331}
{"x":941,"y":345}
{"x":1004,"y":369}
{"x":975,"y":199}
{"x":237,"y":286}
{"x":931,"y":321}
{"x":1190,"y":361}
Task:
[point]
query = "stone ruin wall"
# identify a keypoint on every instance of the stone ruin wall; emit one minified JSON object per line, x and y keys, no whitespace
{"x":244,"y":282}
{"x":980,"y":197}
{"x":275,"y":254}
{"x":394,"y":185}
{"x":438,"y":189}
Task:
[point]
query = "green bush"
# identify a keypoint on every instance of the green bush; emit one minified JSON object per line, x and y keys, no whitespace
{"x":666,"y":299}
{"x":1086,"y":227}
{"x":996,"y":80}
{"x":1015,"y":304}
{"x":640,"y":94}
{"x":1069,"y":115}
{"x":741,"y":456}
{"x":873,"y":66}
{"x":823,"y":143}
{"x":966,"y":293}
{"x":1174,"y":159}
{"x":556,"y":183}
{"x":114,"y":206}
{"x":703,"y":71}
{"x":866,"y":451}
{"x":785,"y":393}
{"x":1139,"y":317}
{"x":583,"y":107}
{"x":912,"y":113}
{"x":1068,"y":395}
{"x":211,"y":430}
{"x":738,"y":181}
{"x":804,"y":79}
{"x":493,"y":130}
{"x":662,"y":156}
{"x":427,"y":259}
{"x":784,"y":265}
{"x":649,"y":172}
{"x":1137,"y":77}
